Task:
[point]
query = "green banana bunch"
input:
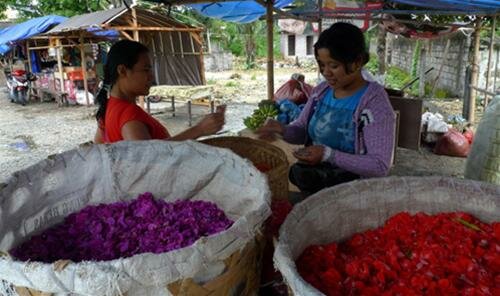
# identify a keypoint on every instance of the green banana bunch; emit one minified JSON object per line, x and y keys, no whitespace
{"x":259,"y":116}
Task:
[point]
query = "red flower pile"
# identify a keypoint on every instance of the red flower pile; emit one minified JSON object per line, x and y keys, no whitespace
{"x":444,"y":254}
{"x":263,"y":167}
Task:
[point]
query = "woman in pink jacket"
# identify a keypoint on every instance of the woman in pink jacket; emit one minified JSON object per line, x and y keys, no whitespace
{"x":347,"y":126}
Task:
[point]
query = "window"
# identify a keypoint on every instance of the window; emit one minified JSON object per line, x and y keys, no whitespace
{"x":291,"y":45}
{"x":309,"y":44}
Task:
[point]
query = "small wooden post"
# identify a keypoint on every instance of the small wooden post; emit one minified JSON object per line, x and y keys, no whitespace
{"x":84,"y":70}
{"x":320,"y":26}
{"x":59,"y":64}
{"x":136,"y":38}
{"x":474,"y":72}
{"x":490,"y":53}
{"x":496,"y":72}
{"x":270,"y":53}
{"x":30,"y":69}
{"x":421,"y":82}
{"x":381,"y":48}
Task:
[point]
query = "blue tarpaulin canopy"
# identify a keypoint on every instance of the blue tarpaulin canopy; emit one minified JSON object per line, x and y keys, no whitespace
{"x":29,"y":28}
{"x":236,"y":11}
{"x":249,"y":11}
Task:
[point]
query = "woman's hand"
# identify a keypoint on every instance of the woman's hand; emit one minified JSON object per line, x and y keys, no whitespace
{"x":311,"y":155}
{"x":269,"y":130}
{"x":213,"y":122}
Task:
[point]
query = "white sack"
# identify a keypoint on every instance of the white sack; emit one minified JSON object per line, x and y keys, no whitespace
{"x":336,"y":213}
{"x":41,"y":196}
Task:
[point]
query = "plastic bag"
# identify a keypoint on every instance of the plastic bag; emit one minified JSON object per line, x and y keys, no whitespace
{"x":295,"y":90}
{"x":453,"y":143}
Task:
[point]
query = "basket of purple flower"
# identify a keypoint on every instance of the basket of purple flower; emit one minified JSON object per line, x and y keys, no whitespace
{"x":100,"y":234}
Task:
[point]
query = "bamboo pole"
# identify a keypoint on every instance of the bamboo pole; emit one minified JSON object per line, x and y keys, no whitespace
{"x":136,"y":38}
{"x":270,"y":53}
{"x":84,"y":71}
{"x":474,"y":72}
{"x":490,"y":53}
{"x":59,"y":64}
{"x":422,"y":61}
{"x":496,"y":71}
{"x":29,"y":56}
{"x":137,"y":29}
{"x":202,"y":63}
{"x":320,"y":26}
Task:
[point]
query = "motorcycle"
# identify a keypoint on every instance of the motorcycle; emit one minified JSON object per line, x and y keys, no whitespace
{"x":18,"y":84}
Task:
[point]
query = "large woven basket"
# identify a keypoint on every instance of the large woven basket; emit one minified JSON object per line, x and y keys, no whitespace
{"x":336,"y":213}
{"x":259,"y":152}
{"x":241,"y":276}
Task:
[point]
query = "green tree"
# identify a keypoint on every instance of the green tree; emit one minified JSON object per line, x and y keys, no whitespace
{"x":29,"y":8}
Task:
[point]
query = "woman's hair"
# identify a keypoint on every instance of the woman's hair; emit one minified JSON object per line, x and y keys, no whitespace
{"x":123,"y":52}
{"x":345,"y":42}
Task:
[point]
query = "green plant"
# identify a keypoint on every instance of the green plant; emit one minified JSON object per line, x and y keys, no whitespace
{"x":232,"y":84}
{"x":414,"y":59}
{"x":211,"y":81}
{"x":372,"y":64}
{"x":254,"y":77}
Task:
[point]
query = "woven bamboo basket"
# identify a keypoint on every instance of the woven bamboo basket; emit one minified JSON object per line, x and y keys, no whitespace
{"x":259,"y":152}
{"x":336,"y":213}
{"x":241,"y":276}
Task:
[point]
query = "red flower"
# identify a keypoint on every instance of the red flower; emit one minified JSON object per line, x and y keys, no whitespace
{"x":444,"y":254}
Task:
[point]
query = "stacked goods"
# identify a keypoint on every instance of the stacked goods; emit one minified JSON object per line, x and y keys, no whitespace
{"x":440,"y":236}
{"x":444,"y":254}
{"x":192,"y":255}
{"x":267,"y":109}
{"x":266,"y":157}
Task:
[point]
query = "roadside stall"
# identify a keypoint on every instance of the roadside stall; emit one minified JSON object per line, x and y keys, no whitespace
{"x":176,"y":48}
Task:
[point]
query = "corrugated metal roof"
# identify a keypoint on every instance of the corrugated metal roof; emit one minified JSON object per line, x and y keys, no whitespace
{"x":116,"y":17}
{"x":89,"y":20}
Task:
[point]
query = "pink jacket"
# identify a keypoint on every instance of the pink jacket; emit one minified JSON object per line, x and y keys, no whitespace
{"x":375,"y":125}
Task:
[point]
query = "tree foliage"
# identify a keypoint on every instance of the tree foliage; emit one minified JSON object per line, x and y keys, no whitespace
{"x":29,"y":8}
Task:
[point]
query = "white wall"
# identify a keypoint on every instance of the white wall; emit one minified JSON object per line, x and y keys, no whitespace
{"x":300,"y":45}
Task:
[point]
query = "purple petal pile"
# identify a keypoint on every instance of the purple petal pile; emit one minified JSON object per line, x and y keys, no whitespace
{"x":123,"y":229}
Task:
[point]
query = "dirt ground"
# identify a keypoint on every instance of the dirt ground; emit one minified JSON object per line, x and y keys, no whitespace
{"x":31,"y":133}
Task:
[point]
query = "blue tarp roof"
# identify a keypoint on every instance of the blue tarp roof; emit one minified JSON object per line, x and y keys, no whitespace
{"x":29,"y":28}
{"x":236,"y":11}
{"x":249,"y":11}
{"x":4,"y":48}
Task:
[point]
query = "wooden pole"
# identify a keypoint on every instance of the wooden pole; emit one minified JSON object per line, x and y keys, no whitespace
{"x":490,"y":53}
{"x":496,"y":71}
{"x":30,"y":69}
{"x":381,"y":48}
{"x":421,"y":82}
{"x":202,"y":61}
{"x":270,"y":52}
{"x":84,"y":71}
{"x":474,"y":72}
{"x":136,"y":38}
{"x":320,"y":26}
{"x":59,"y":64}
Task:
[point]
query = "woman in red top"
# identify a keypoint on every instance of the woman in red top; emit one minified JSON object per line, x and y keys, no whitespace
{"x":127,"y":75}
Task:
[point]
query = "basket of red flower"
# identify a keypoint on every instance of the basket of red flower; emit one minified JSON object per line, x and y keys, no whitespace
{"x":394,"y":236}
{"x":267,"y":158}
